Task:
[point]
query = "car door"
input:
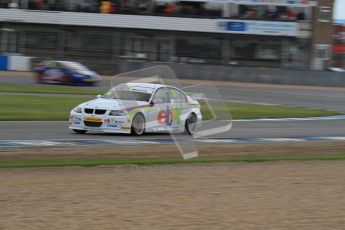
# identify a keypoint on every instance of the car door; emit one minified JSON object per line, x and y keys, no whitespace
{"x":179,"y":108}
{"x":53,"y":72}
{"x":160,"y":116}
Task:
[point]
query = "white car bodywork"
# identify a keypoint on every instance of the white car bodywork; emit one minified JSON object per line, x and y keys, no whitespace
{"x":165,"y":109}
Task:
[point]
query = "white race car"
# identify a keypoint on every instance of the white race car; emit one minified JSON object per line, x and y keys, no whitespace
{"x":136,"y":108}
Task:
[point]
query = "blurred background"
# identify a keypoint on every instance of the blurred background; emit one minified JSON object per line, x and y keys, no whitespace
{"x":204,"y":39}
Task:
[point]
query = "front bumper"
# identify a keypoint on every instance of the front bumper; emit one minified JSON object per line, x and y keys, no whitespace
{"x":100,"y":123}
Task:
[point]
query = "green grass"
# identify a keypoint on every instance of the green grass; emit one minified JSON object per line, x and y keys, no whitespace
{"x":36,"y":108}
{"x":159,"y":161}
{"x":52,"y":108}
{"x":50,"y":89}
{"x":254,"y":111}
{"x":19,"y":107}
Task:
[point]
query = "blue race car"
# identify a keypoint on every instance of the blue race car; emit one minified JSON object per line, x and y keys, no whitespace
{"x":65,"y":72}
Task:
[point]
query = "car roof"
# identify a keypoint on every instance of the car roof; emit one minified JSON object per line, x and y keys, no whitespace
{"x":63,"y":62}
{"x":68,"y":62}
{"x":145,"y":85}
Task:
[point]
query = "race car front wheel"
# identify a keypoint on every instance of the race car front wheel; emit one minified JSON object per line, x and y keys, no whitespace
{"x":138,"y":125}
{"x":79,"y":131}
{"x":191,"y":124}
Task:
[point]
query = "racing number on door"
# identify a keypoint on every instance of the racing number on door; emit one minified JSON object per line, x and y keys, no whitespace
{"x":163,"y":117}
{"x":173,"y":108}
{"x":161,"y":100}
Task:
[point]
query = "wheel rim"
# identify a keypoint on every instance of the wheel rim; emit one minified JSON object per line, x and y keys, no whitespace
{"x":192,"y":124}
{"x":138,"y":124}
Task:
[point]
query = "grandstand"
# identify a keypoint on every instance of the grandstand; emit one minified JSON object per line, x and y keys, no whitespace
{"x":294,"y":34}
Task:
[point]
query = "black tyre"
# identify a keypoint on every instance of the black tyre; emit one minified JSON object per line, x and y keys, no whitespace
{"x":191,"y":124}
{"x":79,"y":131}
{"x":138,"y":125}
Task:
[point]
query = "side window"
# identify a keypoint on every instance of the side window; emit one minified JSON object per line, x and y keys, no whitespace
{"x":53,"y":64}
{"x":176,"y":96}
{"x":161,"y":96}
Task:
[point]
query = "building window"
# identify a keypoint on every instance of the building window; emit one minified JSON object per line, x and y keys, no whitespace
{"x":322,"y":51}
{"x":136,"y":47}
{"x":96,"y":42}
{"x":325,"y":14}
{"x":38,"y":39}
{"x":268,"y":52}
{"x":244,"y":50}
{"x":199,"y":48}
{"x":253,"y":50}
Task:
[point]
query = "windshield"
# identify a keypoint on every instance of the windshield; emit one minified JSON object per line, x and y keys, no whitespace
{"x":74,"y":65}
{"x":129,"y":93}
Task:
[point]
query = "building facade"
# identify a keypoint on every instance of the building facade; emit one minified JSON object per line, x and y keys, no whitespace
{"x":294,"y":34}
{"x":339,"y":46}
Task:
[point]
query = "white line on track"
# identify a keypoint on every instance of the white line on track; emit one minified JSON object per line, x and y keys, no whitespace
{"x":338,"y":117}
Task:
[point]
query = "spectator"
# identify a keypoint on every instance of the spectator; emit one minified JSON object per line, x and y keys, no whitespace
{"x":290,"y":14}
{"x":112,"y":9}
{"x":301,"y":16}
{"x":39,"y":5}
{"x":287,"y":14}
{"x":169,"y":9}
{"x":3,"y":4}
{"x":105,"y":7}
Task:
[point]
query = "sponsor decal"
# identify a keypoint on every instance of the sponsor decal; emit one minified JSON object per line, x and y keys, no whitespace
{"x":163,"y":117}
{"x":167,"y":117}
{"x":276,"y":2}
{"x":176,"y":115}
{"x":76,"y":122}
{"x":259,"y":27}
{"x":141,"y":89}
{"x":111,"y":125}
{"x":93,"y":119}
{"x":137,"y":107}
{"x":233,"y":26}
{"x":75,"y":118}
{"x":113,"y":120}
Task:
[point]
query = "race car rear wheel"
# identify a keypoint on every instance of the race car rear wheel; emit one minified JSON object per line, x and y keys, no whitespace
{"x":138,"y":125}
{"x":79,"y":131}
{"x":191,"y":125}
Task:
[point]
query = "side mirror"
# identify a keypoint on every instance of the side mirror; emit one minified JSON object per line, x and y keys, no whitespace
{"x":152,"y":103}
{"x":98,"y":96}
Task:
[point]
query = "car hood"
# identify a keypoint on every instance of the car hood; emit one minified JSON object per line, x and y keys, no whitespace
{"x":109,"y":104}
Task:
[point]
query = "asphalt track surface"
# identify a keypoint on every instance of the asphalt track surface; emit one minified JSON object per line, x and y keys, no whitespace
{"x":330,"y":98}
{"x":314,"y":97}
{"x":241,"y":129}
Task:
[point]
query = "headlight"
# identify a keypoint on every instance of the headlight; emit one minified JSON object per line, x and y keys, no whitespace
{"x":77,"y":110}
{"x":117,"y":113}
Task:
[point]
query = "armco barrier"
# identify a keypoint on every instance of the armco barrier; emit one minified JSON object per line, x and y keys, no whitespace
{"x":15,"y":63}
{"x":19,"y":63}
{"x":3,"y":62}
